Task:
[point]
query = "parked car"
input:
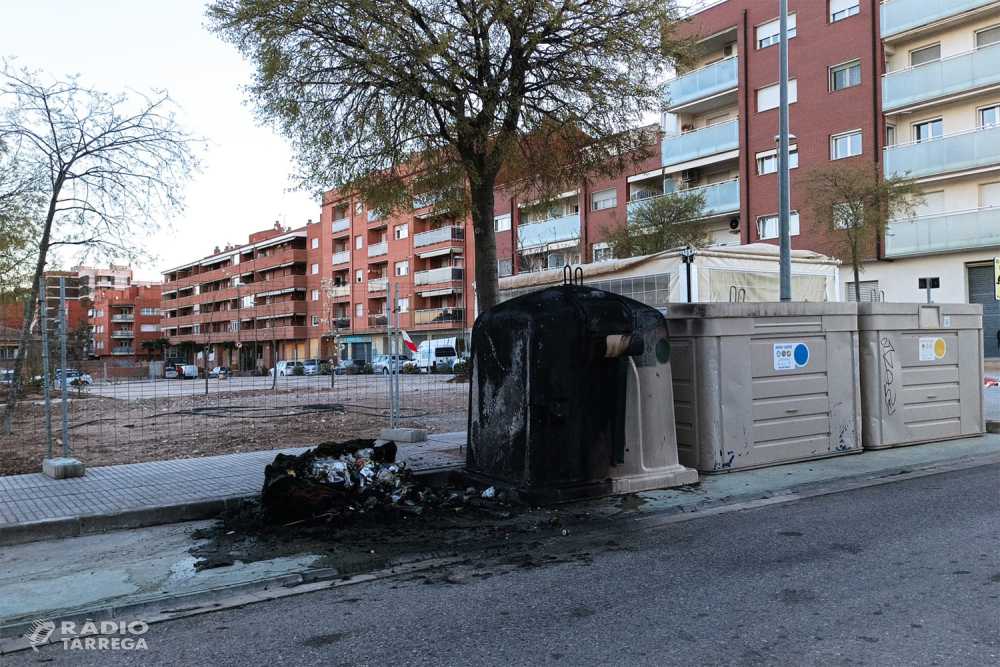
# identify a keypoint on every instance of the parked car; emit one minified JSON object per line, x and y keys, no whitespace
{"x":170,"y":373}
{"x":380,"y":364}
{"x":285,"y":368}
{"x":6,"y":376}
{"x":221,"y":372}
{"x":188,"y":372}
{"x":72,"y":375}
{"x":436,"y":360}
{"x":349,"y":367}
{"x":311,"y":366}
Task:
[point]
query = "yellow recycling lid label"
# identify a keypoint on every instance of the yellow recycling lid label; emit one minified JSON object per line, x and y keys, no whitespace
{"x":931,"y":349}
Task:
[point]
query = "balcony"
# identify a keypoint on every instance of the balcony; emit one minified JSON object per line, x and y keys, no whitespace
{"x":445,"y":274}
{"x":336,"y":291}
{"x":439,"y":316}
{"x":719,"y":198}
{"x":378,"y":249}
{"x":901,"y":15}
{"x":377,"y":285}
{"x":701,"y":143}
{"x":956,"y":230}
{"x":440,"y":235}
{"x":374,"y":215}
{"x":340,"y":323}
{"x":122,"y":333}
{"x":343,"y":257}
{"x":426,"y":199}
{"x":378,"y":321}
{"x":700,"y":83}
{"x":952,"y":152}
{"x":342,"y":225}
{"x":549,"y":231}
{"x":123,"y":318}
{"x":123,"y":350}
{"x":957,"y":74}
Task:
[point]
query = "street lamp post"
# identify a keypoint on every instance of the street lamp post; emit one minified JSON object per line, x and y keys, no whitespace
{"x":784,"y":197}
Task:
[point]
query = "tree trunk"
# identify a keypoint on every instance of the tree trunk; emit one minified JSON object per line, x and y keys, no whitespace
{"x":485,"y":244}
{"x":29,"y":309}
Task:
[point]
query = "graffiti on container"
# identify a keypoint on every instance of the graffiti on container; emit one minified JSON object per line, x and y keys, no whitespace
{"x":888,"y":363}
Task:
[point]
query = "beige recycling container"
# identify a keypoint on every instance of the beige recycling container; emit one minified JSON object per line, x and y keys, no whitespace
{"x":758,"y":384}
{"x":921,"y":372}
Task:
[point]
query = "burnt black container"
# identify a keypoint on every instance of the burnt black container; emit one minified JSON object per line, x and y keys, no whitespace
{"x":548,"y":396}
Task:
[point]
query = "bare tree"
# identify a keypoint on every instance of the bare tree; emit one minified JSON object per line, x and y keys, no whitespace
{"x":398,"y":98}
{"x":660,"y":223}
{"x":856,"y":203}
{"x":110,"y":166}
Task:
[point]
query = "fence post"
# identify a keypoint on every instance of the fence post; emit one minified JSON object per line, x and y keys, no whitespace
{"x":63,"y":324}
{"x":45,"y":366}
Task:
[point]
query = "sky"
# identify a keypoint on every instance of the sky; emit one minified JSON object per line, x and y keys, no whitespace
{"x":115,"y":45}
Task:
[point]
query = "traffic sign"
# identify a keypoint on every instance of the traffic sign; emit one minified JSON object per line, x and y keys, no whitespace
{"x":239,"y":344}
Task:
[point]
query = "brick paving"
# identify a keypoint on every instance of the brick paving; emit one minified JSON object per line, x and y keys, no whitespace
{"x":124,"y":488}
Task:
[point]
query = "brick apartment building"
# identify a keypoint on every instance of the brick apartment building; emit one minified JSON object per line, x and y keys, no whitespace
{"x":123,"y":319}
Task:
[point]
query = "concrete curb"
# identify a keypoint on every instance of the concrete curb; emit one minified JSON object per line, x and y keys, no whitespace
{"x":239,"y":595}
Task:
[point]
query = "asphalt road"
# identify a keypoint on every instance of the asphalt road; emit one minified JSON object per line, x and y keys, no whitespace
{"x":901,"y":574}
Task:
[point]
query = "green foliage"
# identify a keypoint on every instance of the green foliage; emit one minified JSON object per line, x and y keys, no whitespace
{"x":397,"y":98}
{"x":658,"y":224}
{"x":411,"y":368}
{"x":463,"y":368}
{"x":856,"y":203}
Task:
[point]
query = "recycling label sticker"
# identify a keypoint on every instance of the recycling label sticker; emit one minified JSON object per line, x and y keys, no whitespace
{"x":788,"y":356}
{"x":931,"y":349}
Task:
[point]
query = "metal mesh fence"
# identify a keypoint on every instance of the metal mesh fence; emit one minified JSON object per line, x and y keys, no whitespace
{"x":129,"y":417}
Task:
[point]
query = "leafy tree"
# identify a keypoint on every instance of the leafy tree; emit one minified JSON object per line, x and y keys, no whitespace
{"x":20,"y":200}
{"x":658,"y":224}
{"x":396,"y":98}
{"x":855,"y":202}
{"x":109,"y":167}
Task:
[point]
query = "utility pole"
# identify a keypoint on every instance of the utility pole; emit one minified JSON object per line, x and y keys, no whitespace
{"x":784,"y":194}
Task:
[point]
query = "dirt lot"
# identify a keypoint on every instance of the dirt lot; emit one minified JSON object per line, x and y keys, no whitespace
{"x":109,"y":431}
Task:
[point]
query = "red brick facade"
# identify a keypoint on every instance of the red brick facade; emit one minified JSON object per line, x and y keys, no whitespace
{"x":123,"y":319}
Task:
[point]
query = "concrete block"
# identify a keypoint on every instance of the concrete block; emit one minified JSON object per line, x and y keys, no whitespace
{"x":404,"y":434}
{"x":992,"y":427}
{"x":62,"y":468}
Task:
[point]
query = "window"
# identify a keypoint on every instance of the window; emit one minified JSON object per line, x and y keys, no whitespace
{"x":234,"y":325}
{"x":841,"y":9}
{"x":315,"y":320}
{"x":359,"y":276}
{"x":357,"y":208}
{"x":358,"y":243}
{"x":845,"y":76}
{"x":604,"y":199}
{"x":315,"y":295}
{"x":403,"y":305}
{"x":988,"y":36}
{"x":989,"y":195}
{"x":926,"y":54}
{"x":315,"y":269}
{"x":927,"y":130}
{"x":769,"y":33}
{"x":501,"y":223}
{"x":149,"y":327}
{"x":890,"y":135}
{"x":403,"y":268}
{"x":767,"y":162}
{"x":402,"y":232}
{"x":989,"y":116}
{"x":602,"y":252}
{"x":505,"y":267}
{"x":767,"y":226}
{"x":315,"y":243}
{"x":769,"y":97}
{"x":359,"y":310}
{"x":845,"y":145}
{"x":100,"y":345}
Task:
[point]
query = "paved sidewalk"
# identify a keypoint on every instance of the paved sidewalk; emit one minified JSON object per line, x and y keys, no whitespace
{"x":34,"y":507}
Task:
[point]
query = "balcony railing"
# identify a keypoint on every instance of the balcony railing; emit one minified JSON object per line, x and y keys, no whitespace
{"x":378,"y":285}
{"x":445,"y":274}
{"x":339,"y":291}
{"x":343,"y":257}
{"x":341,"y":225}
{"x":340,"y":323}
{"x":700,"y":83}
{"x":700,"y":143}
{"x":123,"y":334}
{"x":966,"y":71}
{"x":378,"y":249}
{"x":902,"y":15}
{"x":123,"y":318}
{"x":451,"y":233}
{"x":549,"y":231}
{"x":425,"y":199}
{"x":378,"y":321}
{"x":439,"y":316}
{"x":956,"y":230}
{"x":953,"y":152}
{"x":719,"y":198}
{"x":374,"y":215}
{"x":123,"y":350}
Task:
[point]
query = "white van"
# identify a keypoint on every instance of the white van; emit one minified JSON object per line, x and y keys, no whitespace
{"x":436,"y":359}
